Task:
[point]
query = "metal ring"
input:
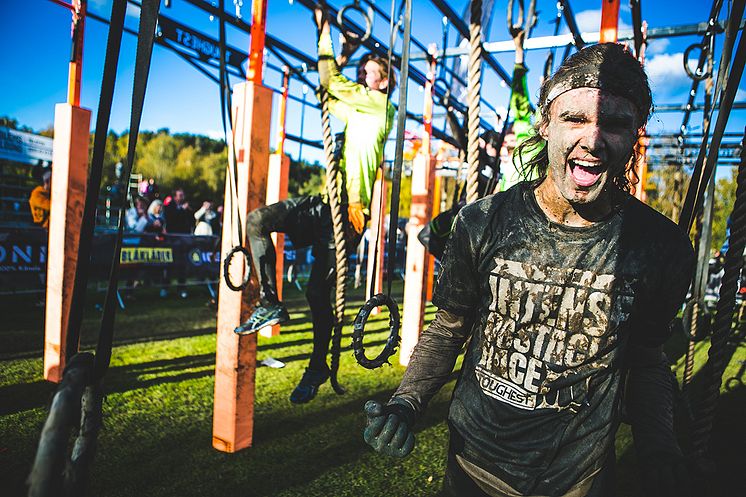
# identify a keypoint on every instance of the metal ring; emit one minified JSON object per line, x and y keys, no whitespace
{"x":226,"y":265}
{"x":688,"y":70}
{"x":351,"y":34}
{"x":519,"y":24}
{"x":358,"y":330}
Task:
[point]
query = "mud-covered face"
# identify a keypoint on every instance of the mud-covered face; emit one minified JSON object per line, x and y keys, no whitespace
{"x":590,"y":136}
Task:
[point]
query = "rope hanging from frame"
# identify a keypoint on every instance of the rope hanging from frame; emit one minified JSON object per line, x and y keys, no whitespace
{"x":473,"y":97}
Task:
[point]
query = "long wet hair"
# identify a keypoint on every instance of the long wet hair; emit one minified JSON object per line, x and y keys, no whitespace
{"x":608,"y":66}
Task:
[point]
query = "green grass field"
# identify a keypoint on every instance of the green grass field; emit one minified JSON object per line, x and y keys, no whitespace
{"x":156,"y":439}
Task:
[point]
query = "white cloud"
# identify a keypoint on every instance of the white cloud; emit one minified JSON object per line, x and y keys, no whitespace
{"x":657,"y":46}
{"x":740,"y":95}
{"x":133,"y":11}
{"x":666,"y":73}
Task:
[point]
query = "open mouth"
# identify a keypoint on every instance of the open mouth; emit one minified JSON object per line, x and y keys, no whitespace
{"x":585,"y":173}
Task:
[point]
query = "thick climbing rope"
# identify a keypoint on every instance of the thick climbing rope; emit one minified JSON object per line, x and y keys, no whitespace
{"x":340,"y":244}
{"x":696,"y":309}
{"x":473,"y":97}
{"x":718,"y":357}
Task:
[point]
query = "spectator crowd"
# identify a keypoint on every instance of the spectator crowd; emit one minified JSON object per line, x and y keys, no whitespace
{"x":173,"y":214}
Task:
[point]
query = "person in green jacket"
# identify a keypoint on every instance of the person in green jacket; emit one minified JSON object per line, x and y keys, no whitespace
{"x":368,"y":116}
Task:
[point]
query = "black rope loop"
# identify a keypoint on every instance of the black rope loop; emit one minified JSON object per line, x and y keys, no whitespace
{"x":226,"y":268}
{"x":75,"y":410}
{"x":358,"y":331}
{"x":697,"y":75}
{"x":367,"y":17}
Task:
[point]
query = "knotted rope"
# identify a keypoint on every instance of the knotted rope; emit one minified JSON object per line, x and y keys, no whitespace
{"x":474,"y":89}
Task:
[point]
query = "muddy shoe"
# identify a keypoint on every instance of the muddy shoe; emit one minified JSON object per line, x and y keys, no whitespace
{"x":268,"y":315}
{"x":308,"y":386}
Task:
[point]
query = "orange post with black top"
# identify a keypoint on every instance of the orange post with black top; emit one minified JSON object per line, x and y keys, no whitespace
{"x":68,"y":192}
{"x":235,"y":360}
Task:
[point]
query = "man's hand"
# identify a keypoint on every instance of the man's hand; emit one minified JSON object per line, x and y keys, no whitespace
{"x":387,"y":430}
{"x":519,"y":36}
{"x":356,"y":217}
{"x":319,"y":17}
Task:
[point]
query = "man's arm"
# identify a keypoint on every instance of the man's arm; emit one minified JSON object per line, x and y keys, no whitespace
{"x":433,"y":359}
{"x":651,"y":386}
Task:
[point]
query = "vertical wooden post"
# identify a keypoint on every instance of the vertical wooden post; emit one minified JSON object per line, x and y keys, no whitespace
{"x":277,"y":190}
{"x":69,"y":180}
{"x":421,"y":210}
{"x":377,"y":238}
{"x":68,"y":191}
{"x":75,"y":68}
{"x":437,"y":193}
{"x":609,"y":20}
{"x":235,"y":359}
{"x":423,"y":174}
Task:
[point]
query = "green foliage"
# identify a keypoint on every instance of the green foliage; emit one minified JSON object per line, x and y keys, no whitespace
{"x":305,"y":178}
{"x":725,"y":197}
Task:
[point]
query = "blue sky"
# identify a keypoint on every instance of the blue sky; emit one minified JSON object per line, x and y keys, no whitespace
{"x":36,"y":37}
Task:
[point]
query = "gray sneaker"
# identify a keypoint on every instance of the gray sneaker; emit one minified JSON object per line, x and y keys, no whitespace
{"x":268,"y":315}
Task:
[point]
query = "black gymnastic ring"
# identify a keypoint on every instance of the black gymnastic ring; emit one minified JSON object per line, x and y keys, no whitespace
{"x":358,"y":330}
{"x":351,"y":35}
{"x":226,"y":265}
{"x":688,"y":70}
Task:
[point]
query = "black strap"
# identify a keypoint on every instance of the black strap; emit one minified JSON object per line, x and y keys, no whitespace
{"x":703,"y":170}
{"x":399,"y":151}
{"x":88,"y":223}
{"x":226,"y":107}
{"x":145,"y":38}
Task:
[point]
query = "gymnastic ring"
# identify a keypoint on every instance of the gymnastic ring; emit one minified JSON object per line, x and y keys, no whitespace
{"x":367,"y":15}
{"x":519,"y":24}
{"x":688,"y":70}
{"x":226,"y":265}
{"x":358,"y":330}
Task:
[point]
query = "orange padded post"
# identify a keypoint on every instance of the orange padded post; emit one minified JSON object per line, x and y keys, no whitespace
{"x":418,"y":260}
{"x":235,"y":362}
{"x":377,"y":238}
{"x":70,"y":160}
{"x":609,"y":21}
{"x":437,"y":194}
{"x":277,"y":189}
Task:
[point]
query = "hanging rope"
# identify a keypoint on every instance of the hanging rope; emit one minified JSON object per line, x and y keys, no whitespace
{"x":340,"y":244}
{"x":474,"y":91}
{"x":358,"y":329}
{"x":719,"y":357}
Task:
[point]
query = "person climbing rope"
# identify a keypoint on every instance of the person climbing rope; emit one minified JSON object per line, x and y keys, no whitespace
{"x":564,"y":289}
{"x":368,"y":115}
{"x":497,"y":171}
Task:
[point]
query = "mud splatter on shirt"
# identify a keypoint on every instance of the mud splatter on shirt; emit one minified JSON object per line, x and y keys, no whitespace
{"x":554,"y":307}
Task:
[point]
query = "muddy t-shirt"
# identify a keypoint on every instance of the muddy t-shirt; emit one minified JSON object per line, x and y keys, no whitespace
{"x":537,"y":402}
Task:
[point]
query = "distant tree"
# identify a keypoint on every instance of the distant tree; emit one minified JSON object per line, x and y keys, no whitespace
{"x":725,"y":197}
